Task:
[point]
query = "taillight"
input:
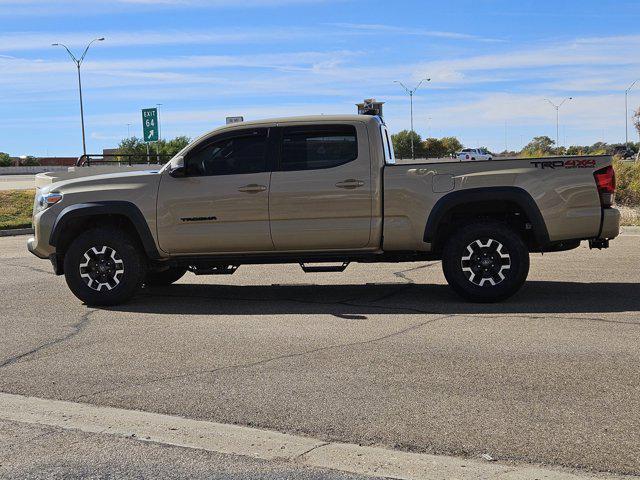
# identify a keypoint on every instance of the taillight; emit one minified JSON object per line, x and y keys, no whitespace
{"x":606,"y":183}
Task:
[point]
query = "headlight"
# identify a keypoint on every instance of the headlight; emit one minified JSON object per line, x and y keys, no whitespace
{"x":43,"y":202}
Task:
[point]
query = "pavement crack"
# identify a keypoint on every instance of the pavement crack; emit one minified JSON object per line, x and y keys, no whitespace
{"x":76,"y":328}
{"x":265,"y":361}
{"x":403,"y":273}
{"x":315,"y":447}
{"x":28,"y":267}
{"x":588,"y":319}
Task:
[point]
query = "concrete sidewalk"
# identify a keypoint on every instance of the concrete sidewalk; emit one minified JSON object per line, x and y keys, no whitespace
{"x":263,"y":444}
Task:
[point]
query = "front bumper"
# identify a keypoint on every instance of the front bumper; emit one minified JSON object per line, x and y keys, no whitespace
{"x":42,"y":224}
{"x":55,"y":259}
{"x":31,"y":246}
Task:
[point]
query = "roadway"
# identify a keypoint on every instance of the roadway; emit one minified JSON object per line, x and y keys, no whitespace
{"x":17,"y":182}
{"x":380,"y":355}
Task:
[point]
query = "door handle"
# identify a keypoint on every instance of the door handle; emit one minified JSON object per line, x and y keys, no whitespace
{"x":252,"y":188}
{"x":350,"y":183}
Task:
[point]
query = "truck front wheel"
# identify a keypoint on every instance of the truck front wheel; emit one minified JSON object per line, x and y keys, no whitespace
{"x":485,"y":262}
{"x":104,"y":266}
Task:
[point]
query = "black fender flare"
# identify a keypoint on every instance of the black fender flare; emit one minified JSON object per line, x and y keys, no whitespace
{"x":516,"y":195}
{"x":121,"y":208}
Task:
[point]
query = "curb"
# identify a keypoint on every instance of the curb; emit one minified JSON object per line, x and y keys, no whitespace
{"x":13,"y":232}
{"x":267,"y":445}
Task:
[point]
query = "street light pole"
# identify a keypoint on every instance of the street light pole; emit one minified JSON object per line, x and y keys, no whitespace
{"x":557,"y":107}
{"x":411,"y":92}
{"x":626,"y":112}
{"x":78,"y":63}
{"x":158,"y":105}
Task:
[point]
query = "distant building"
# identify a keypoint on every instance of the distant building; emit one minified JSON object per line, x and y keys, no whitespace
{"x":109,"y":154}
{"x":44,"y":161}
{"x":57,"y":161}
{"x":370,"y":106}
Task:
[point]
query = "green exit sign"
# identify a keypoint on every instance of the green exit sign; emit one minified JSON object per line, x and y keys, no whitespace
{"x":150,"y":124}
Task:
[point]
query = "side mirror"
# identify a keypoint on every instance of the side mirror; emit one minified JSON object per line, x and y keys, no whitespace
{"x":176,"y":167}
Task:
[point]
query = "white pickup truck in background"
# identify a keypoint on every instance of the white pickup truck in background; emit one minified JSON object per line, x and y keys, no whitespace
{"x":474,"y":154}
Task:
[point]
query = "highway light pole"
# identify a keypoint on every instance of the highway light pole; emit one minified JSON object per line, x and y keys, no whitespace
{"x":78,"y":62}
{"x":411,"y":92}
{"x":557,"y":107}
{"x":158,"y":105}
{"x":626,"y":112}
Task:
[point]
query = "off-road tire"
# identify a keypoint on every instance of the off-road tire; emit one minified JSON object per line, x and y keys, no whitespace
{"x":165,"y":277}
{"x":113,"y":250}
{"x":475,"y":263}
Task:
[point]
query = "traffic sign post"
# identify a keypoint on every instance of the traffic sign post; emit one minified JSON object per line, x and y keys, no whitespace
{"x":150,"y":124}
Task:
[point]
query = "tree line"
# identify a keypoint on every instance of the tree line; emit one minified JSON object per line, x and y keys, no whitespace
{"x":542,"y":146}
{"x":138,"y":148}
{"x":428,"y":148}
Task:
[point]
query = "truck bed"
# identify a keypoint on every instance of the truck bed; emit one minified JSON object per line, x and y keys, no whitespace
{"x":562,"y":188}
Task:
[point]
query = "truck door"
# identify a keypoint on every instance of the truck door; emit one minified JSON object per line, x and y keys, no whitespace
{"x":320,"y":196}
{"x":222,"y":204}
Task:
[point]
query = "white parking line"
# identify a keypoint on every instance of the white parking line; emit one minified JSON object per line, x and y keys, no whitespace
{"x":262,"y":444}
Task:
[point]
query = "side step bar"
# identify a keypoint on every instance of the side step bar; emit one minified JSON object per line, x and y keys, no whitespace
{"x":323,"y":268}
{"x":214,"y":270}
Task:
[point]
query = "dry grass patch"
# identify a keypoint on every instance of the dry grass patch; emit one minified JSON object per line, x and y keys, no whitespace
{"x":630,"y":216}
{"x":16,"y":207}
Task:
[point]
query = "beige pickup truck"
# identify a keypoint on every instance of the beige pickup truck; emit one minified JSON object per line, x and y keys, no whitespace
{"x":320,"y":191}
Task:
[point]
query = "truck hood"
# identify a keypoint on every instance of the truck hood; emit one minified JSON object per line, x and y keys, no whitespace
{"x":106,"y":181}
{"x":139,"y":188}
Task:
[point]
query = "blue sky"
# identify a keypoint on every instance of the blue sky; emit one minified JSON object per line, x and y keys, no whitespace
{"x":492,"y":64}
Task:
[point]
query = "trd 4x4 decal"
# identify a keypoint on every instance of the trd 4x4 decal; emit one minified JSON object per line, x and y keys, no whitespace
{"x":571,"y":163}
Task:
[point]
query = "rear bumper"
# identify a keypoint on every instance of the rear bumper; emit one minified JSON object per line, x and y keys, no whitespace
{"x":610,"y":223}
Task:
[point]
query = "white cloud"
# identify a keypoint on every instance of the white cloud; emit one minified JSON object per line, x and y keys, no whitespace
{"x":82,"y":7}
{"x":377,"y":29}
{"x":220,"y":3}
{"x":19,"y":41}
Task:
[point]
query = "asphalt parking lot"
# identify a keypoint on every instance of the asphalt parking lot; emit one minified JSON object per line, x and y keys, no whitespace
{"x":379,"y":355}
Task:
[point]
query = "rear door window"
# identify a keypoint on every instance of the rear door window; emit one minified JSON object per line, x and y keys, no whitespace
{"x":318,"y":147}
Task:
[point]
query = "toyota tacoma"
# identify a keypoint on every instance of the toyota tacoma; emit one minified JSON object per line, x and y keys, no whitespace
{"x":321,"y":191}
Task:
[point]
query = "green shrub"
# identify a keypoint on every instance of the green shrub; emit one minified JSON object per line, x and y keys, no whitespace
{"x":402,"y":144}
{"x":136,"y":146}
{"x":5,"y":160}
{"x":627,"y":182}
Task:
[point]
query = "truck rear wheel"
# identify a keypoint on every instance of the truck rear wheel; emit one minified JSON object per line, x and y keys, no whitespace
{"x":104,"y":266}
{"x":485,"y":262}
